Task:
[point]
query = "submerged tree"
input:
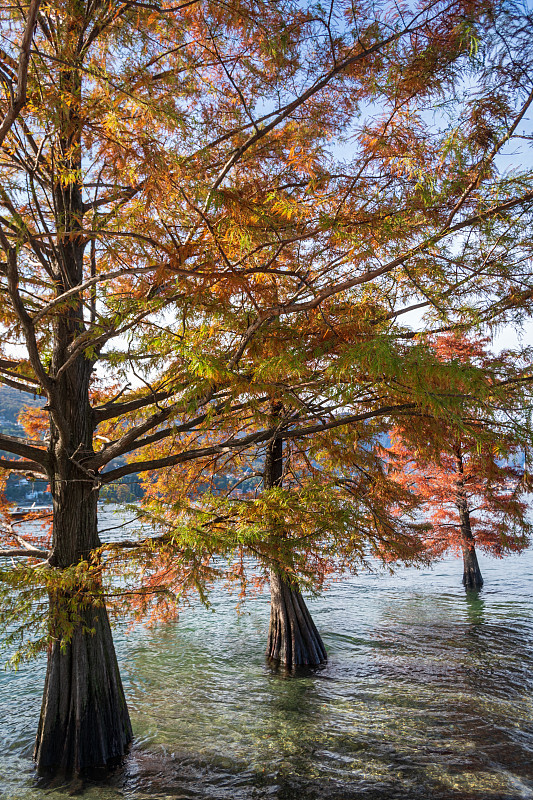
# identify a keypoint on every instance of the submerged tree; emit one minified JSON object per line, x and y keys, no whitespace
{"x":173,"y":212}
{"x":293,"y":638}
{"x":469,"y":473}
{"x":331,"y":503}
{"x":117,"y":112}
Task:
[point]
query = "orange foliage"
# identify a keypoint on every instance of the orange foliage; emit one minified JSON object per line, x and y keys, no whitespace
{"x":477,"y":459}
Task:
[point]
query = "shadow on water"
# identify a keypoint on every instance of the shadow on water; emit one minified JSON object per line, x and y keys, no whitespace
{"x":427,"y":693}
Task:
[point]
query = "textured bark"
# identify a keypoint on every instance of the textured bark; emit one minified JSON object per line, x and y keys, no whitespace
{"x":472,"y":579}
{"x":273,"y":469}
{"x":293,"y":639}
{"x":84,"y":723}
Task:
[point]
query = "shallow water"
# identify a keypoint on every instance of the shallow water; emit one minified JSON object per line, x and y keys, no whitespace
{"x":427,"y":693}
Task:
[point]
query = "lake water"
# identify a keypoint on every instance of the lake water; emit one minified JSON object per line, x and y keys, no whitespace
{"x":427,"y":694}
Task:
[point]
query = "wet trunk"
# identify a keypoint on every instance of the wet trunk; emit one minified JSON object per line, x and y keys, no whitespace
{"x":293,"y":639}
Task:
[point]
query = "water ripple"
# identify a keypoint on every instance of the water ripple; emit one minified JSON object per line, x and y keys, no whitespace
{"x":427,"y":693}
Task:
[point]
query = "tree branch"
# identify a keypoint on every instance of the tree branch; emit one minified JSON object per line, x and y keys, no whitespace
{"x":24,"y":317}
{"x":244,"y":441}
{"x":22,"y":466}
{"x":22,"y":74}
{"x":24,"y":448}
{"x":317,"y":86}
{"x":124,"y":195}
{"x":489,"y":159}
{"x":111,"y":410}
{"x":22,"y":387}
{"x":118,"y":449}
{"x":25,"y":553}
{"x":369,"y":275}
{"x":81,"y":287}
{"x":7,"y":366}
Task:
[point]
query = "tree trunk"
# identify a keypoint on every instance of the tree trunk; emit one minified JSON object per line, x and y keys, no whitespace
{"x":84,"y":724}
{"x":472,"y":579}
{"x":84,"y":721}
{"x":293,"y":639}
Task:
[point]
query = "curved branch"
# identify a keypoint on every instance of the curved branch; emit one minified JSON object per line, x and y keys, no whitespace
{"x":370,"y":275}
{"x":111,"y":410}
{"x":24,"y":448}
{"x":81,"y":287}
{"x":106,"y":455}
{"x":22,"y":466}
{"x":8,"y":368}
{"x":24,"y":317}
{"x":317,"y":86}
{"x":21,"y":387}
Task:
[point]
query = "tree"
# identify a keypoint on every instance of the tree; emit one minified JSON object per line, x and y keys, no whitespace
{"x":172,"y":210}
{"x":293,"y":638}
{"x":467,"y":472}
{"x":332,"y":504}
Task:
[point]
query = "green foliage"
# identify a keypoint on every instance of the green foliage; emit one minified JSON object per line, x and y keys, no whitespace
{"x":38,"y":602}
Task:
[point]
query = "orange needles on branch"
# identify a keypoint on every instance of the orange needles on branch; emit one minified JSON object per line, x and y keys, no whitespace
{"x":203,"y":208}
{"x":469,"y":471}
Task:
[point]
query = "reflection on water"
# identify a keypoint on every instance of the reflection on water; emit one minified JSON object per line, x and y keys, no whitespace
{"x":427,"y":693}
{"x":475,"y":608}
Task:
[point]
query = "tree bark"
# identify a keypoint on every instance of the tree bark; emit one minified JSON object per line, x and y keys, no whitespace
{"x":472,"y":579}
{"x":84,"y":725}
{"x":293,"y":639}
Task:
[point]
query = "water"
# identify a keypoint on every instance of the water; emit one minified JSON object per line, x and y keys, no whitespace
{"x":427,"y":693}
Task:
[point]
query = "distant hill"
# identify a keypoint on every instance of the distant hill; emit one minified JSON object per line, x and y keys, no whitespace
{"x":12,"y":401}
{"x":23,"y":491}
{"x":19,"y":489}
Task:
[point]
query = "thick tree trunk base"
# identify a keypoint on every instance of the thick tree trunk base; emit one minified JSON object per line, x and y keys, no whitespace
{"x":293,"y":639}
{"x":84,"y":727}
{"x":472,"y":579}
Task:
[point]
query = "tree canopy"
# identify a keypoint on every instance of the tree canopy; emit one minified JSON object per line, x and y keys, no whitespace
{"x":205,"y":210}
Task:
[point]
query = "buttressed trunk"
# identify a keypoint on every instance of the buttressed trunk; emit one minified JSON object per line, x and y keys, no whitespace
{"x":293,"y":639}
{"x":84,"y":724}
{"x":472,"y":578}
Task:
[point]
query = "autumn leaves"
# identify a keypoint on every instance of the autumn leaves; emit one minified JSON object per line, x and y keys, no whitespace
{"x":207,"y":211}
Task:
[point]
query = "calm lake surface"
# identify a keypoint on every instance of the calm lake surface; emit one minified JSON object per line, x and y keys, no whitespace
{"x":427,"y":694}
